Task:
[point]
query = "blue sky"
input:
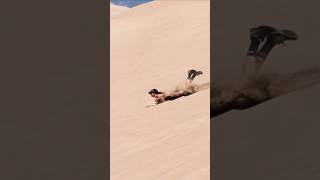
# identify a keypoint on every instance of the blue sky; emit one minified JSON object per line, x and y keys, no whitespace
{"x":129,"y":3}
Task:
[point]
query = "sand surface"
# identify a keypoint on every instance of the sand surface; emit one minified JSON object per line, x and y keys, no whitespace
{"x":152,"y":46}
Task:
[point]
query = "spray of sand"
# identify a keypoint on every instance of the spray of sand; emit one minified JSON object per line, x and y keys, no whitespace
{"x":190,"y":88}
{"x":251,"y":91}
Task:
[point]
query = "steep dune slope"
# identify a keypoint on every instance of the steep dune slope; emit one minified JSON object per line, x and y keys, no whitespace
{"x":152,"y":46}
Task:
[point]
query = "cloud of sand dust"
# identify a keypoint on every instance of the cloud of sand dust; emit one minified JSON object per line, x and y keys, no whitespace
{"x":190,"y":89}
{"x":251,"y":91}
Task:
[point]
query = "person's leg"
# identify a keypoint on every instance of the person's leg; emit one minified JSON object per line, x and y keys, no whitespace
{"x":257,"y":36}
{"x":252,"y":65}
{"x":255,"y":60}
{"x":276,"y":37}
{"x":192,"y":74}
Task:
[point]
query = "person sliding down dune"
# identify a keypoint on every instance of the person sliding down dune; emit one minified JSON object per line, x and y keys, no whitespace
{"x":160,"y":97}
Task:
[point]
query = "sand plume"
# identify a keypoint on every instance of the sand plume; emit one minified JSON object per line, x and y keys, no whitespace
{"x":190,"y":89}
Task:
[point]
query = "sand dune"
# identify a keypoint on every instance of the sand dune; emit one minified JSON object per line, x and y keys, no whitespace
{"x":152,"y":46}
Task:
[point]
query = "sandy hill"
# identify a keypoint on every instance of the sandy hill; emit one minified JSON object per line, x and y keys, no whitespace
{"x":152,"y":46}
